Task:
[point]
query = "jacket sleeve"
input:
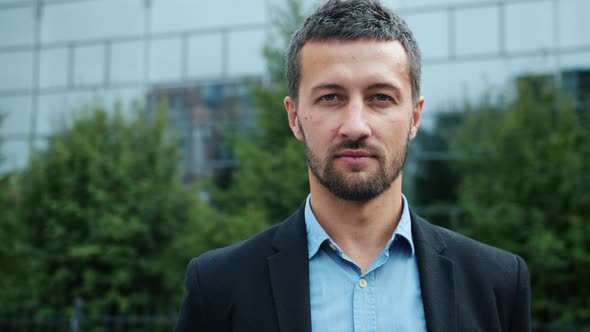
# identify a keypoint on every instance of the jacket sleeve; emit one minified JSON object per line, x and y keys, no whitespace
{"x":191,"y":313}
{"x":521,"y":315}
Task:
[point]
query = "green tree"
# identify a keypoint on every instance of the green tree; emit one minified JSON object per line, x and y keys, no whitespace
{"x":431,"y":184}
{"x":103,"y":204}
{"x":269,"y":180}
{"x":13,"y":247}
{"x":271,"y":176}
{"x":525,"y":189}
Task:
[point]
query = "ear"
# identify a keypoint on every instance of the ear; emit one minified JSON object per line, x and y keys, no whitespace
{"x":291,"y":108}
{"x":416,"y":117}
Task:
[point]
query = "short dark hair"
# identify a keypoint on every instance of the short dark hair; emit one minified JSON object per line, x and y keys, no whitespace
{"x":351,"y":20}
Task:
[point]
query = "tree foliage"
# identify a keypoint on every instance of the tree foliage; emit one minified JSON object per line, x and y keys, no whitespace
{"x":525,"y":189}
{"x":102,"y":205}
{"x":12,"y":246}
{"x":431,"y":185}
{"x":108,"y":219}
{"x":271,"y":177}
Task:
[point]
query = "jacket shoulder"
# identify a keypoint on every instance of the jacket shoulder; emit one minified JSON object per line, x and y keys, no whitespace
{"x":466,"y":249}
{"x":487,"y":275}
{"x":237,"y":254}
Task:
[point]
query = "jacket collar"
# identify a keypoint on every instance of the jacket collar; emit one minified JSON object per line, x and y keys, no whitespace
{"x":437,"y":277}
{"x":289,"y":274}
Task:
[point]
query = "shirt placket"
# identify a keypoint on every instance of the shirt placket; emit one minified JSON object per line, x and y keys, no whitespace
{"x":364,"y":307}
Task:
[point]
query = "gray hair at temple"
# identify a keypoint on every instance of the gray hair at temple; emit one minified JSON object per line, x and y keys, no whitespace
{"x":352,"y":20}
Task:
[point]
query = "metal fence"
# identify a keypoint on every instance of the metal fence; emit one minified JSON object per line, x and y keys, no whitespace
{"x":144,"y":320}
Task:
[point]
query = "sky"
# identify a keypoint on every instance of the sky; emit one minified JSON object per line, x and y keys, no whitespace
{"x":200,"y":40}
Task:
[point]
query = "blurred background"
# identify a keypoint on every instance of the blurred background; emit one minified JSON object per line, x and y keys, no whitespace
{"x":136,"y":134}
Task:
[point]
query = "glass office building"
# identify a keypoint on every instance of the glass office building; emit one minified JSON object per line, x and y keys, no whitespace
{"x":58,"y":55}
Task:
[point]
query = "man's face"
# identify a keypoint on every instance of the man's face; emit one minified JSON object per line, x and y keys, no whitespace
{"x":355,"y":115}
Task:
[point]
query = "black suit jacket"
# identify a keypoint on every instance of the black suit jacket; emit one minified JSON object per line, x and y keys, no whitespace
{"x":262,"y":284}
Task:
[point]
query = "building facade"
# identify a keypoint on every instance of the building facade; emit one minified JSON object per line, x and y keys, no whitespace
{"x":56,"y":55}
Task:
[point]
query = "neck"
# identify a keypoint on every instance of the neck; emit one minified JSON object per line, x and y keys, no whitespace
{"x":361,"y":229}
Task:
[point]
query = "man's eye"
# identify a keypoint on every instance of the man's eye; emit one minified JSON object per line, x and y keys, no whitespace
{"x":330,"y":97}
{"x":381,"y":97}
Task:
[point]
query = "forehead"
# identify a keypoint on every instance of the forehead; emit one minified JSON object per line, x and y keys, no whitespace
{"x":354,"y":61}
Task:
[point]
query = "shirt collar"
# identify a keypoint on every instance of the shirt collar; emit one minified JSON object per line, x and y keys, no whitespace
{"x":316,"y":235}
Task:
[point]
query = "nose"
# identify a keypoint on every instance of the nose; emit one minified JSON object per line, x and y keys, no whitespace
{"x":354,"y":124}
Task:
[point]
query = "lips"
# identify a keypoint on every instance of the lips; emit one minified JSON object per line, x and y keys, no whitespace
{"x":354,"y":157}
{"x":354,"y":154}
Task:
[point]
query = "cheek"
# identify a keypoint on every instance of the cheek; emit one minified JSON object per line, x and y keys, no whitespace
{"x":392,"y":133}
{"x":317,"y":128}
{"x":318,"y":136}
{"x":325,"y":126}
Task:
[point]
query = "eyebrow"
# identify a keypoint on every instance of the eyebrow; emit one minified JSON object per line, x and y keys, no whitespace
{"x":386,"y":86}
{"x":327,"y":86}
{"x":333,"y":86}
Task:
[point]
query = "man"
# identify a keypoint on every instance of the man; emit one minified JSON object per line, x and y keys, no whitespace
{"x":354,"y":257}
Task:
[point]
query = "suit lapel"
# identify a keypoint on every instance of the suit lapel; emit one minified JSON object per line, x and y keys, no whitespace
{"x":289,"y":275}
{"x":437,"y":278}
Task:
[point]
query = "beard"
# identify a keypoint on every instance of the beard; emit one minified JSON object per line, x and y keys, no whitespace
{"x":353,"y":185}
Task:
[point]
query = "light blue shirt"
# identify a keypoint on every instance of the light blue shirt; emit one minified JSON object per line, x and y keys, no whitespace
{"x":386,"y":297}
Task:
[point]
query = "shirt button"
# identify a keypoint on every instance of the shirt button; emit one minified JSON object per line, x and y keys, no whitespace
{"x":333,"y":247}
{"x":363,"y":283}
